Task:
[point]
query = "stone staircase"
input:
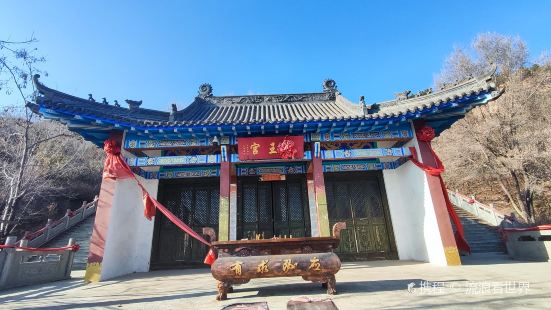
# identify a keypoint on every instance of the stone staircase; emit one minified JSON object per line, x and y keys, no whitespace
{"x":481,"y":236}
{"x":82,"y":234}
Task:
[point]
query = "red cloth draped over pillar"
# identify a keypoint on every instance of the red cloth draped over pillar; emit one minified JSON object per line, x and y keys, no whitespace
{"x":425,"y":135}
{"x":115,"y":167}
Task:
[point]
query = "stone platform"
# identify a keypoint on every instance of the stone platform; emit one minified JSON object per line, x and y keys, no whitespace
{"x":483,"y":282}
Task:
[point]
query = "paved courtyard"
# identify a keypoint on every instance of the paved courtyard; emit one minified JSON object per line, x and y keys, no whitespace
{"x":484,"y":283}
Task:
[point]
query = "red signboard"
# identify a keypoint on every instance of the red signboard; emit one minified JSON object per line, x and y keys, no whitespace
{"x":286,"y":147}
{"x":272,"y":177}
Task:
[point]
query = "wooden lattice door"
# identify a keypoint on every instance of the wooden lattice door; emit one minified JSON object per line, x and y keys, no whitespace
{"x":276,"y":208}
{"x":194,"y":201}
{"x":359,"y":200}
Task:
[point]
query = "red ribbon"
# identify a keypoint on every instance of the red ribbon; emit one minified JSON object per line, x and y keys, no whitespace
{"x":73,"y":248}
{"x":116,"y":167}
{"x":437,"y":171}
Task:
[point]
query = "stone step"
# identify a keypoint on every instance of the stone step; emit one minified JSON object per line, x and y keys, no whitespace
{"x":488,"y":249}
{"x":474,"y":233}
{"x":493,"y":234}
{"x":483,"y":241}
{"x":81,"y":233}
{"x":485,"y":244}
{"x":481,"y":236}
{"x":479,"y":231}
{"x":479,"y":226}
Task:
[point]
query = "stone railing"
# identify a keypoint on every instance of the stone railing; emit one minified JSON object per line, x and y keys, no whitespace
{"x":20,"y":266}
{"x":484,"y":212}
{"x":56,"y":228}
{"x":529,"y":243}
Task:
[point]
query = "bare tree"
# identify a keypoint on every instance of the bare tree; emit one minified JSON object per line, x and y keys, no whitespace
{"x":32,"y":156}
{"x":506,"y":142}
{"x":509,"y":54}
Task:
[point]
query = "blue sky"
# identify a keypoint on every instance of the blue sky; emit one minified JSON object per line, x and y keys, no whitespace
{"x":161,"y":51}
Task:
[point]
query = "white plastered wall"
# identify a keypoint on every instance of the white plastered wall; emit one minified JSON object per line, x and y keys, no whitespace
{"x":412,"y":213}
{"x":130,"y":235}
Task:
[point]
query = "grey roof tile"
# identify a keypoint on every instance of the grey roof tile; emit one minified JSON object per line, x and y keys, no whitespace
{"x":257,"y":109}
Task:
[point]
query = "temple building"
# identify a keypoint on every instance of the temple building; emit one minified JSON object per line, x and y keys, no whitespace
{"x":259,"y":166}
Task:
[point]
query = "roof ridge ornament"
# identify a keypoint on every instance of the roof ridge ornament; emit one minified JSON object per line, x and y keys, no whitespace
{"x":403,"y":95}
{"x":273,"y":99}
{"x":133,"y":104}
{"x":329,"y":85}
{"x":173,"y":110}
{"x":368,"y":109}
{"x":205,"y":90}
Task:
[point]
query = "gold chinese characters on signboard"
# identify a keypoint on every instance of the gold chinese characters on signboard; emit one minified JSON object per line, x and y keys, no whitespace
{"x":272,"y":148}
{"x":254,"y":148}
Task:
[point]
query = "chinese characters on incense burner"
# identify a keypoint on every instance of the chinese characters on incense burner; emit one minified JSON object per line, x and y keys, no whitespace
{"x":312,"y":258}
{"x":286,"y":266}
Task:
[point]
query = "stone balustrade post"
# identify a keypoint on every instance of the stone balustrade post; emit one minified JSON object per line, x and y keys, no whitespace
{"x":475,"y":206}
{"x":5,"y":259}
{"x":23,"y":243}
{"x":11,"y":240}
{"x":83,"y":215}
{"x":71,"y":258}
{"x":496,"y":219}
{"x":48,"y":227}
{"x":67,"y":218}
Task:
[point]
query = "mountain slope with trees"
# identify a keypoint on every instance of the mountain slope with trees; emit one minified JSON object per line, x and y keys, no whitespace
{"x":43,"y":166}
{"x":501,"y":151}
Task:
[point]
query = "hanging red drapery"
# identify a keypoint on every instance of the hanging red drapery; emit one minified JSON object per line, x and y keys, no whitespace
{"x":115,"y":167}
{"x":424,"y":135}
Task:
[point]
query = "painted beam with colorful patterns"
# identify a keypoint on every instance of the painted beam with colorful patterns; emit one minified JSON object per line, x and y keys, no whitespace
{"x":216,"y":158}
{"x":138,"y":141}
{"x":366,"y":153}
{"x":173,"y":160}
{"x":400,"y":133}
{"x":360,"y":165}
{"x":134,"y":141}
{"x":180,"y":172}
{"x":260,"y":169}
{"x":255,"y":170}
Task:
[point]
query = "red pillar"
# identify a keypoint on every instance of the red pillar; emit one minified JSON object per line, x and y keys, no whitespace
{"x":319,"y":192}
{"x":224,"y":212}
{"x":233,"y":204}
{"x":440,"y":208}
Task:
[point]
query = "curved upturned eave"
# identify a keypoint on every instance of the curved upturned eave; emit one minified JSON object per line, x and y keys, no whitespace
{"x":443,"y":108}
{"x":427,"y":113}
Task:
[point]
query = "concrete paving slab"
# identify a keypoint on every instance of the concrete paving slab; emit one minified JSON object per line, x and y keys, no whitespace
{"x":481,"y":283}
